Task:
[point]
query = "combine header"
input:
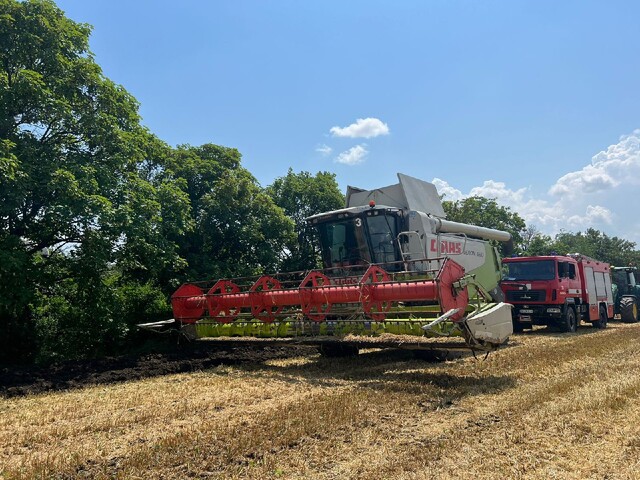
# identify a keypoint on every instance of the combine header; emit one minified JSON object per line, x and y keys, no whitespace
{"x":394,"y":266}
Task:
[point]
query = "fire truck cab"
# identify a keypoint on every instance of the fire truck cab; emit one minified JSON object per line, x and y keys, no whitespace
{"x":558,"y":290}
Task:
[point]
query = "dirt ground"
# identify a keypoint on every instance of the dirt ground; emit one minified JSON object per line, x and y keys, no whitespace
{"x":21,"y":381}
{"x":548,"y":405}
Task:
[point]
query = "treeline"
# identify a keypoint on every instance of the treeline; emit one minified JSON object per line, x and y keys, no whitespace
{"x":100,"y":221}
{"x":528,"y":240}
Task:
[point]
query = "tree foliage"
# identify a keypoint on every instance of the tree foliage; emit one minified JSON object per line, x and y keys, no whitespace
{"x":302,"y":195}
{"x":486,"y":212}
{"x":100,"y":220}
{"x":592,"y":243}
{"x":238,"y":229}
{"x":75,"y":215}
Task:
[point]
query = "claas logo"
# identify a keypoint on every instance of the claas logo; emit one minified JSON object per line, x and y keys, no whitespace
{"x":446,"y":246}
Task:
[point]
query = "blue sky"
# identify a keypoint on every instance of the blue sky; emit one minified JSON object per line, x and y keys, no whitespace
{"x":534,"y":103}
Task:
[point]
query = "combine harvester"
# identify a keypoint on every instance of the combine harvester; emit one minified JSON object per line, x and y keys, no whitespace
{"x":394,"y":267}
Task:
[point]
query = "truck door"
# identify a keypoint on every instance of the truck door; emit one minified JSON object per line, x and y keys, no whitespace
{"x":592,"y":293}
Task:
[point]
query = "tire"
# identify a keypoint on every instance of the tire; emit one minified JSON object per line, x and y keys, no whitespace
{"x":628,"y":310}
{"x":335,"y":349}
{"x":431,"y":356}
{"x":602,"y":322}
{"x":569,"y":323}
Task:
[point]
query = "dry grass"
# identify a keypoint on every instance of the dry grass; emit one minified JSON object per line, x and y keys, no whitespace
{"x":548,"y":406}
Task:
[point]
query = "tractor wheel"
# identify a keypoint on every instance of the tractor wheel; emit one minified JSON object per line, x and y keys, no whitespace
{"x":569,"y":322}
{"x":628,"y":310}
{"x":602,"y":321}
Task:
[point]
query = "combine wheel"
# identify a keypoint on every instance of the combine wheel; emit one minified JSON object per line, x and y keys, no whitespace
{"x":602,"y":321}
{"x":434,"y":356}
{"x":336,"y":349}
{"x":569,"y":322}
{"x":629,"y":310}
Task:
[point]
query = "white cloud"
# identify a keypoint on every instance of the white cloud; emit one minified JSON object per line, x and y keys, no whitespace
{"x":498,"y":190}
{"x":363,"y":128}
{"x":593,"y":215}
{"x":600,"y":195}
{"x":353,"y":156}
{"x":618,"y":164}
{"x":325,"y":150}
{"x":590,"y":179}
{"x":450,"y":193}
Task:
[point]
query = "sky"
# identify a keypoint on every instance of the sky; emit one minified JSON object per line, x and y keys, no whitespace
{"x":533,"y":103}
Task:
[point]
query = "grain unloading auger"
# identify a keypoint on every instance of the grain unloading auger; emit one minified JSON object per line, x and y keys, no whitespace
{"x":394,"y":266}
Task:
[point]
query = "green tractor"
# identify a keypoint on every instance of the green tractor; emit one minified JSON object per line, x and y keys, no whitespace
{"x":626,"y":293}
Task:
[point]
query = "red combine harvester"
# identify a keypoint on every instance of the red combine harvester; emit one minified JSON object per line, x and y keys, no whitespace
{"x":560,"y":291}
{"x":394,"y":266}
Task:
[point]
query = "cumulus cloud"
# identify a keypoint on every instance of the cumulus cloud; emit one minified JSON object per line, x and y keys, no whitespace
{"x":498,"y":190}
{"x":599,"y":195}
{"x":325,"y":150}
{"x":353,"y":156}
{"x":618,"y":164}
{"x":363,"y":128}
{"x":450,"y":193}
{"x":590,"y":179}
{"x":594,"y":214}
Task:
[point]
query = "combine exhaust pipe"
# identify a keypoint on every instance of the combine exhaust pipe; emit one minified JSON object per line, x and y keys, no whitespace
{"x":447,"y":226}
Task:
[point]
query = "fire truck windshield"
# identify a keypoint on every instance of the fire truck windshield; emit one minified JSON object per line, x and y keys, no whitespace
{"x":538,"y":270}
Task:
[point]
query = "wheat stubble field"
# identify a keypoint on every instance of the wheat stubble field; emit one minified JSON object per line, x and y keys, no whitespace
{"x":548,"y":406}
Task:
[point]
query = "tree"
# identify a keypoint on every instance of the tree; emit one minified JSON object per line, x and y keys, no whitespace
{"x":486,"y":212}
{"x":598,"y":245}
{"x":78,"y":219}
{"x":535,"y":243}
{"x":238,"y":228}
{"x":301,"y":195}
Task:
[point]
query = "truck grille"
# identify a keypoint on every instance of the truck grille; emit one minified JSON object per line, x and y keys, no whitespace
{"x":526,"y":296}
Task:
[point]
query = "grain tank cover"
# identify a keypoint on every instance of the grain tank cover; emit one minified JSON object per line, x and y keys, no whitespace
{"x":409,"y":194}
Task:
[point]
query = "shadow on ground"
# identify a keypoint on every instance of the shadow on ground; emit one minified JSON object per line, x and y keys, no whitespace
{"x":390,"y":369}
{"x":20,"y":380}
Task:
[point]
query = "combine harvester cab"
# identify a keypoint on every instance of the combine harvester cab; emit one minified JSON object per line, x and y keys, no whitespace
{"x":393,"y":267}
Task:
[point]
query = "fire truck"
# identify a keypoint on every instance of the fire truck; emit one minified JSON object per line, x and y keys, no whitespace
{"x":558,"y":291}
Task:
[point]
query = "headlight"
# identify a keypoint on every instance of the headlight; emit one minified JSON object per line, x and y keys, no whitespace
{"x":554,"y":310}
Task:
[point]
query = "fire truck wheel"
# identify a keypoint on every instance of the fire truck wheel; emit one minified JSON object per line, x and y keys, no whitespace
{"x":602,"y":322}
{"x":569,"y":323}
{"x":518,"y":327}
{"x":628,"y":310}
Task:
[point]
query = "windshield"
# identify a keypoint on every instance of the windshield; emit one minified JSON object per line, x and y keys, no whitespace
{"x":382,"y":233}
{"x":620,"y":277}
{"x":359,"y":241}
{"x":538,"y":270}
{"x":343,"y":243}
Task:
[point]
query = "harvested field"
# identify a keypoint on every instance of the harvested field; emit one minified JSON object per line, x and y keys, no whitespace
{"x":548,"y":406}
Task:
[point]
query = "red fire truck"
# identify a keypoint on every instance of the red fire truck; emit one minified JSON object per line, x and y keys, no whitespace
{"x":558,"y":290}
